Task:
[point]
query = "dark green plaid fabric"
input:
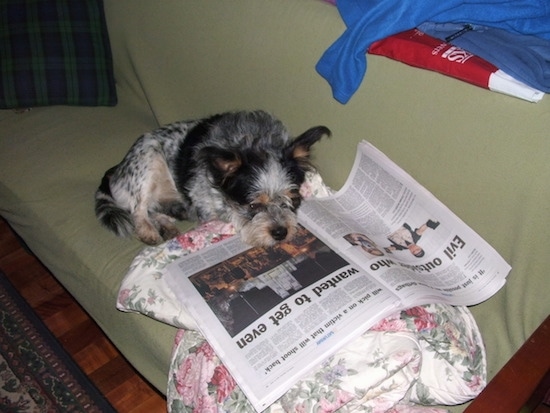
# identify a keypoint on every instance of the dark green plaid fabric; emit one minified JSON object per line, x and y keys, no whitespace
{"x":54,"y":52}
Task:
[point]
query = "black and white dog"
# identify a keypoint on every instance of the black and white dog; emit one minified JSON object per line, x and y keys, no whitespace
{"x":239,"y":167}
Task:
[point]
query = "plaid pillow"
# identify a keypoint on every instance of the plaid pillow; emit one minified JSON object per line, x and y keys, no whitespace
{"x":55,"y":52}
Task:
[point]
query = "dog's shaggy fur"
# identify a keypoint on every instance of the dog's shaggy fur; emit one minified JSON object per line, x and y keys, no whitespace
{"x":240,"y":167}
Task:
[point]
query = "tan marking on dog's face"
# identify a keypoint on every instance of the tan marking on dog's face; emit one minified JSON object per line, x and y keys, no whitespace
{"x":263,"y":199}
{"x":259,"y":203}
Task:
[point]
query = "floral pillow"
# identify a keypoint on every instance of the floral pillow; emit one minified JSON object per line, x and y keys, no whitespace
{"x":409,"y":362}
{"x":428,"y":355}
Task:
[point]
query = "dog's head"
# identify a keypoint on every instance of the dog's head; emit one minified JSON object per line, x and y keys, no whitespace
{"x":260,"y":179}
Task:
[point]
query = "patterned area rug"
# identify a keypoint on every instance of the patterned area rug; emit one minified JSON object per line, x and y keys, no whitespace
{"x":36,"y":374}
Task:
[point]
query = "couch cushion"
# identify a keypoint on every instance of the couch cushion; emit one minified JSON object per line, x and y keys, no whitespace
{"x":54,"y":52}
{"x":51,"y":162}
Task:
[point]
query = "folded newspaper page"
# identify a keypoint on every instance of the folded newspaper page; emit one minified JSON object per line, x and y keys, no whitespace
{"x":380,"y":244}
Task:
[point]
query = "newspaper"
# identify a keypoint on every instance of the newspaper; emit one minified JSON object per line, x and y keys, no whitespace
{"x":380,"y":244}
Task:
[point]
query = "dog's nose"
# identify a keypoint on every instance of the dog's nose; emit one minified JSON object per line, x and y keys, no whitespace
{"x":279,"y":233}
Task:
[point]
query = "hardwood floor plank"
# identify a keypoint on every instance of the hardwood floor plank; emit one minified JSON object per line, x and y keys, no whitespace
{"x":61,"y":314}
{"x":111,"y":375}
{"x":119,"y":382}
{"x":132,"y":393}
{"x":96,"y":355}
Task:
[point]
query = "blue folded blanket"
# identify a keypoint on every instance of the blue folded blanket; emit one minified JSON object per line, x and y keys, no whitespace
{"x":344,"y":63}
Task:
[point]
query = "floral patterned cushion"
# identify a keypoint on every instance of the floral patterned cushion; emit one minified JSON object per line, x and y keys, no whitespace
{"x":419,"y":357}
{"x":413,"y":360}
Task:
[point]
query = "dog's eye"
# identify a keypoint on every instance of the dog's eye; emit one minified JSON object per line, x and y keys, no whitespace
{"x":255,"y":206}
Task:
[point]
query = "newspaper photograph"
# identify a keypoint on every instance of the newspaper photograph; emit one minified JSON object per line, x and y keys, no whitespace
{"x":381,"y":243}
{"x":273,"y":314}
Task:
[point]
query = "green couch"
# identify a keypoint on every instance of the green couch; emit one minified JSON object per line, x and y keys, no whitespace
{"x":485,"y":155}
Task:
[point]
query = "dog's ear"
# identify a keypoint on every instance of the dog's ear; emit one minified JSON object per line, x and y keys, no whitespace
{"x":222,"y":163}
{"x":299,"y":149}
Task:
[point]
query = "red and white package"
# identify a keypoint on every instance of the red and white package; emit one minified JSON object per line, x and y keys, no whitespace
{"x":419,"y":49}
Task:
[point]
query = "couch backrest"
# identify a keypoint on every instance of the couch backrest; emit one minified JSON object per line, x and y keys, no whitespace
{"x":194,"y":58}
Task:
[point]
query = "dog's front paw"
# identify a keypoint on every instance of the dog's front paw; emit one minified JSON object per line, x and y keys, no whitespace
{"x":169,"y":232}
{"x":150,"y":238}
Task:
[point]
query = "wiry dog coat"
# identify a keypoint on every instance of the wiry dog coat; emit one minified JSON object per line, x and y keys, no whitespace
{"x":240,"y":167}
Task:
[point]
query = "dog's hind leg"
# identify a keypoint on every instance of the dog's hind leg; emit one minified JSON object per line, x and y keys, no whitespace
{"x":146,"y":230}
{"x":159,"y":201}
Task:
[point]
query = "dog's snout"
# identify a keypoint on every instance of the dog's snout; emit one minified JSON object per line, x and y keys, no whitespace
{"x":279,"y":233}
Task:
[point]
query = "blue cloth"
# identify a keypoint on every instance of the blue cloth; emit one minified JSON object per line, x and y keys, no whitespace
{"x":344,"y":63}
{"x":526,"y":58}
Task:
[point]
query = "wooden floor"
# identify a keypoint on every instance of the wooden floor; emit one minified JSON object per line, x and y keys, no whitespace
{"x":125,"y":389}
